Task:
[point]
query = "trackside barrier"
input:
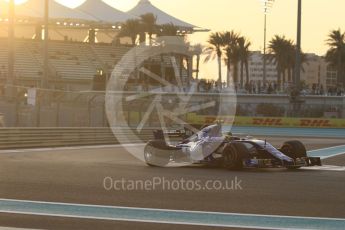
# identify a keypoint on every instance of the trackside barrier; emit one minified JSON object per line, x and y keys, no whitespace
{"x":12,"y":138}
{"x":269,"y":121}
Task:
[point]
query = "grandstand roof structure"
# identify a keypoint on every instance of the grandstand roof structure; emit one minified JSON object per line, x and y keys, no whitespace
{"x":92,"y":11}
{"x":145,"y":6}
{"x":103,"y":12}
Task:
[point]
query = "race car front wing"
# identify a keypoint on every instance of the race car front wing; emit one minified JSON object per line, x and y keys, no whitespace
{"x":273,"y":163}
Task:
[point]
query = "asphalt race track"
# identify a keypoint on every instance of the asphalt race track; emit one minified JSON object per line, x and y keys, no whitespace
{"x":76,"y":176}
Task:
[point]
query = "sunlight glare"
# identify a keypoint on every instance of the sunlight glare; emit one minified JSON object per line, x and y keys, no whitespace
{"x":18,"y":2}
{"x":71,"y":4}
{"x":123,"y":5}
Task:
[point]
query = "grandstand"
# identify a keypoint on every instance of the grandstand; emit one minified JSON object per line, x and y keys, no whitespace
{"x":73,"y":59}
{"x":27,"y":66}
{"x":69,"y":61}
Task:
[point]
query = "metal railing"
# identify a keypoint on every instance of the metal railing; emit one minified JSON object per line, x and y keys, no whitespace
{"x":15,"y":138}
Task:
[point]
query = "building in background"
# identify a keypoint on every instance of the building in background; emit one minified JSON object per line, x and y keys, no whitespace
{"x":331,"y":76}
{"x":256,"y":68}
{"x":316,"y":71}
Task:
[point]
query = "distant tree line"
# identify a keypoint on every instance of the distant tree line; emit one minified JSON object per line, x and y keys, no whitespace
{"x":234,"y":50}
{"x":335,"y":55}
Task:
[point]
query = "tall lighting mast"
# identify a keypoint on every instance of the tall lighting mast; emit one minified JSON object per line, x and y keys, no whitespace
{"x":267,"y":5}
{"x":44,"y":80}
{"x":298,"y":47}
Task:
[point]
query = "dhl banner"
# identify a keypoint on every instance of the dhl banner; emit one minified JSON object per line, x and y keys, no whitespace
{"x":268,"y":121}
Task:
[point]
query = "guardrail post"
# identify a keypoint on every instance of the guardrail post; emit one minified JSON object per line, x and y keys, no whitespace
{"x":343,"y":108}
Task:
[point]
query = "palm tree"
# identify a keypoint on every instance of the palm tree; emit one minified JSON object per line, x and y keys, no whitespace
{"x":244,"y":45}
{"x":291,"y":60}
{"x":214,"y":50}
{"x":336,"y":53}
{"x":278,"y":50}
{"x":197,"y":49}
{"x":283,"y":53}
{"x":149,"y":22}
{"x":131,"y":28}
{"x":234,"y":62}
{"x":290,"y":49}
{"x":231,"y":49}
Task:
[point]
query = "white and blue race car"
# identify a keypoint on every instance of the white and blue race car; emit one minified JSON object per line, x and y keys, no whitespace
{"x":210,"y":146}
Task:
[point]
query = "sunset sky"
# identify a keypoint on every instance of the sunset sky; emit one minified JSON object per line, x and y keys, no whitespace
{"x":246,"y":17}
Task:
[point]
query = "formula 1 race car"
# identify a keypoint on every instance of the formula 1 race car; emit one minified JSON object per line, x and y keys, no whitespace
{"x":210,"y":146}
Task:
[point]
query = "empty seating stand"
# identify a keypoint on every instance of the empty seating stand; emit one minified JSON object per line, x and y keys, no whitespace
{"x":70,"y":61}
{"x":67,"y":60}
{"x":26,"y":64}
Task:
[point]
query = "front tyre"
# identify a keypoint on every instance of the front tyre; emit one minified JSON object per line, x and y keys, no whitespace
{"x":294,"y":150}
{"x":155,"y":157}
{"x":232,"y":159}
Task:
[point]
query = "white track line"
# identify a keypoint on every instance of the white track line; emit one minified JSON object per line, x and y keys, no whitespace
{"x":159,"y":215}
{"x":326,"y":168}
{"x":169,"y":210}
{"x":311,"y":152}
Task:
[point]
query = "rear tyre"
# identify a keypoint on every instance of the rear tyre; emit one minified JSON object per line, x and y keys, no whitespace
{"x":294,"y":150}
{"x":232,"y":159}
{"x":156,"y":155}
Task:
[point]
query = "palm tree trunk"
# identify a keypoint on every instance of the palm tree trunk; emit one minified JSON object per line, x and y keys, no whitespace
{"x":228,"y":80}
{"x":241,"y":80}
{"x":197,"y":67}
{"x":197,"y":71}
{"x":284,"y":76}
{"x":219,"y":72}
{"x":247,"y":72}
{"x":290,"y":74}
{"x":279,"y":81}
{"x":235,"y":72}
